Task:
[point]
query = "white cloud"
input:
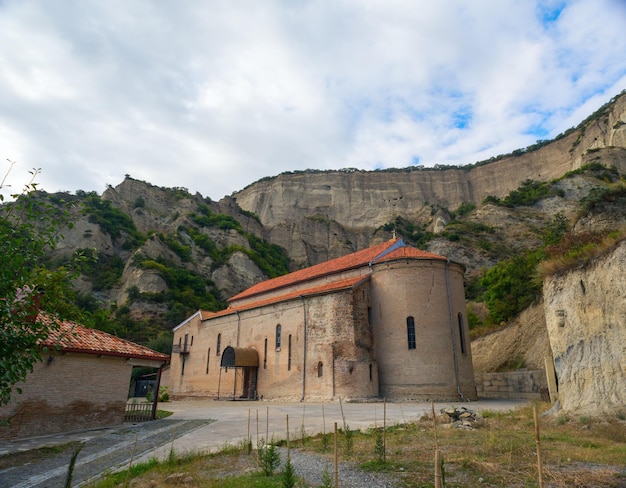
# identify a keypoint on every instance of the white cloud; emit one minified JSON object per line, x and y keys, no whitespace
{"x":213,"y":96}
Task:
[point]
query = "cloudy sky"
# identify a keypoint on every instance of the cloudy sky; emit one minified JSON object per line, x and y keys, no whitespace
{"x":214,"y":95}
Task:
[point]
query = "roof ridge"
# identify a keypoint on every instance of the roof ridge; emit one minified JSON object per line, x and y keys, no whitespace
{"x":338,"y":284}
{"x":336,"y":265}
{"x":396,"y":245}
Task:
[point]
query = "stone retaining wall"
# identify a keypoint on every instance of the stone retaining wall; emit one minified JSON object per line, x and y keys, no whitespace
{"x":514,"y":384}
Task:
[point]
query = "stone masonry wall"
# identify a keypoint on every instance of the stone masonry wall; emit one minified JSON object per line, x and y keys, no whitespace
{"x":334,"y":365}
{"x":512,"y":384}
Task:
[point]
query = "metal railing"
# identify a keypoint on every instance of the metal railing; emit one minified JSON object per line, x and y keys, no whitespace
{"x":138,"y":412}
{"x":180,"y":349}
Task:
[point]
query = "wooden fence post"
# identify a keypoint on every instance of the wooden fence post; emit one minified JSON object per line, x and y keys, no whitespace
{"x":538,"y":445}
{"x":385,"y":430}
{"x":288,"y":445}
{"x":336,"y":459}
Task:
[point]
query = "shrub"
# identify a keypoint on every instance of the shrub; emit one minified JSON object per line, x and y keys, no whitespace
{"x":269,"y":457}
{"x":414,"y":233}
{"x":465,"y":208}
{"x":111,"y":220}
{"x":288,"y":475}
{"x":511,"y":285}
{"x":529,"y":193}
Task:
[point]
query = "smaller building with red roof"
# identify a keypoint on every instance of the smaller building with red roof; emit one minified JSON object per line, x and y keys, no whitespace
{"x":82,"y":382}
{"x":386,"y":321}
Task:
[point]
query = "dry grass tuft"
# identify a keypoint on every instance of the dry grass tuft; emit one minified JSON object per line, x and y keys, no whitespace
{"x":574,"y":250}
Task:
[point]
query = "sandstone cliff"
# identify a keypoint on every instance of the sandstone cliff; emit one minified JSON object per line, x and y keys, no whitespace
{"x":321,"y":215}
{"x":585,"y":310}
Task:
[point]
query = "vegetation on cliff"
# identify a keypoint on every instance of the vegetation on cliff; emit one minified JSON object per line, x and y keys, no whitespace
{"x":540,"y":241}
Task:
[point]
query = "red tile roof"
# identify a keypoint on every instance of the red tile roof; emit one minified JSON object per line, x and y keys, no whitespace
{"x":314,"y":290}
{"x":73,"y":337}
{"x":411,"y":253}
{"x":392,"y":249}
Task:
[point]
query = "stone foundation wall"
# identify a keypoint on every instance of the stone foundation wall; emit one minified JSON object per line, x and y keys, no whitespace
{"x":514,"y":384}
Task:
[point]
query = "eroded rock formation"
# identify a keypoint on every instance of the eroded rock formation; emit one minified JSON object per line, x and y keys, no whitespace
{"x":586,"y":319}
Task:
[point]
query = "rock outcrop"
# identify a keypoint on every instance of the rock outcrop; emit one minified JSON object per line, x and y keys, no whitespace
{"x":585,"y":313}
{"x":524,"y":340}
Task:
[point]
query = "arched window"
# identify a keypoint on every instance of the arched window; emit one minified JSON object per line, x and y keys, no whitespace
{"x":462,"y":334}
{"x":278,"y":340}
{"x":410,"y":332}
{"x":289,"y":353}
{"x":320,"y":369}
{"x":219,"y":344}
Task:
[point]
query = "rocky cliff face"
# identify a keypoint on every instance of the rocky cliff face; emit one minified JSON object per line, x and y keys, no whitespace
{"x":161,"y":217}
{"x":585,"y":311}
{"x":320,"y":215}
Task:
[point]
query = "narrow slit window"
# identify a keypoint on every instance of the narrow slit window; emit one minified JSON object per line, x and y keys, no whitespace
{"x":219,"y":345}
{"x":265,"y":355}
{"x":410,"y":332}
{"x":462,"y":335}
{"x":320,"y":369}
{"x":278,"y":338}
{"x":208,"y":358}
{"x":289,"y":353}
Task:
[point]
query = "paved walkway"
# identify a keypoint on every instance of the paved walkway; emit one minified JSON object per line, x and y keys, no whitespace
{"x":205,"y":426}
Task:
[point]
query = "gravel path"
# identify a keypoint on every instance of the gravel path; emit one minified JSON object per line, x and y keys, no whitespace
{"x":311,"y":466}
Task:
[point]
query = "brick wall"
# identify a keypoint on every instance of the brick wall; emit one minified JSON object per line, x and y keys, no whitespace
{"x":338,"y":350}
{"x":71,"y":392}
{"x":421,"y":290}
{"x":355,"y":341}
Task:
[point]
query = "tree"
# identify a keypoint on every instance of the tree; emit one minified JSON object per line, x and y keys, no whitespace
{"x":511,"y":285}
{"x":29,"y":228}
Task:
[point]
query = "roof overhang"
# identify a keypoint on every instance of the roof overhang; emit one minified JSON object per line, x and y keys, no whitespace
{"x":239,"y":357}
{"x":146,"y":363}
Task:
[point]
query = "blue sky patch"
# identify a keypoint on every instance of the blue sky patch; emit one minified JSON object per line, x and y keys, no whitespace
{"x":550,"y":12}
{"x":462,"y":118}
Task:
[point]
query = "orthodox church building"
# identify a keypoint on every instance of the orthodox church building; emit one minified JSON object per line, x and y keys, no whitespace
{"x":388,"y":321}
